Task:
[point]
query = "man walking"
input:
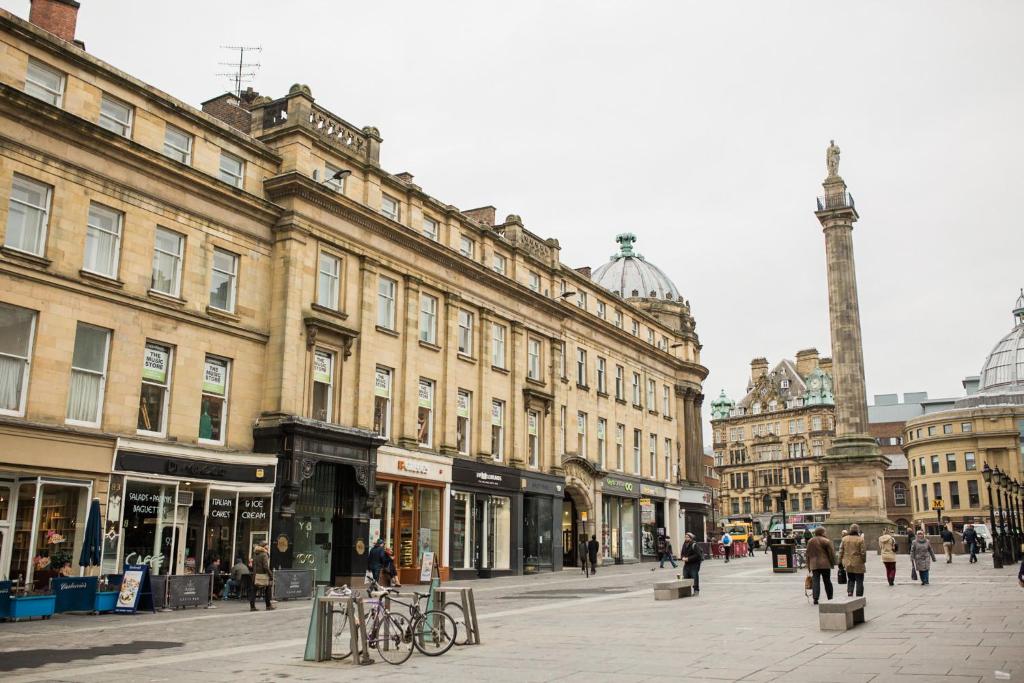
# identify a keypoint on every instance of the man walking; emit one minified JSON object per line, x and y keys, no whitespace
{"x":592,"y":548}
{"x":750,"y":544}
{"x":691,"y":556}
{"x":726,"y":545}
{"x":947,"y":543}
{"x":853,"y":555}
{"x":821,"y":557}
{"x":666,"y":553}
{"x":584,"y":556}
{"x":971,"y":543}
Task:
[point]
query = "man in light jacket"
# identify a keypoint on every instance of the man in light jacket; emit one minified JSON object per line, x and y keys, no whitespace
{"x":887,"y":549}
{"x":853,"y":555}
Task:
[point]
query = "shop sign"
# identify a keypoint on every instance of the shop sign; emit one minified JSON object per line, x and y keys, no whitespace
{"x":382,"y":384}
{"x":426,"y":395}
{"x":253,"y":508}
{"x":531,"y":424}
{"x":322,"y":371}
{"x":426,"y":566}
{"x":646,"y":511}
{"x":462,"y":405}
{"x":610,"y":483}
{"x":134,"y":583}
{"x":489,"y":479}
{"x":148,"y":504}
{"x":652,"y":491}
{"x":154,"y":364}
{"x":215,"y":377}
{"x":496,"y":414}
{"x":290,"y":584}
{"x":221,"y":508}
{"x":174,"y":466}
{"x":413,"y":467}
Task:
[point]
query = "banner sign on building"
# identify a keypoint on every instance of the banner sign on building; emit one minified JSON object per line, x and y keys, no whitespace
{"x":462,"y":405}
{"x":322,"y":371}
{"x":382,"y":383}
{"x":154,"y":364}
{"x":531,"y":424}
{"x":496,"y":414}
{"x":426,"y":395}
{"x":215,"y":377}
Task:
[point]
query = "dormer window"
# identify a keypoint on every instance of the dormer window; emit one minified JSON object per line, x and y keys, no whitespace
{"x":784,"y":384}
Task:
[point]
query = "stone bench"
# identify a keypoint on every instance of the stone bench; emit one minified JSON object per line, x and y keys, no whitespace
{"x":841,"y":615}
{"x":673,"y":590}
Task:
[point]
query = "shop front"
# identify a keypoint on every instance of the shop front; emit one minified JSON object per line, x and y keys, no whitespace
{"x":181,"y":509}
{"x":485,"y":520}
{"x":579,"y":511}
{"x":47,"y":481}
{"x":652,"y":519}
{"x":543,"y":497}
{"x":694,"y":510}
{"x":325,"y":479}
{"x":408,"y":508}
{"x":620,"y":520}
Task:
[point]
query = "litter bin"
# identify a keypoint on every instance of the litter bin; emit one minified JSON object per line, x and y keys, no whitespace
{"x":783,"y":558}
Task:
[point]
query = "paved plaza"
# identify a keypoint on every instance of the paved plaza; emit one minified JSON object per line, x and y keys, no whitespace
{"x":748,"y":624}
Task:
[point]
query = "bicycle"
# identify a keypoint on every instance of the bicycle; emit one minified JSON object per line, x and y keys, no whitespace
{"x":341,"y":643}
{"x":432,"y":632}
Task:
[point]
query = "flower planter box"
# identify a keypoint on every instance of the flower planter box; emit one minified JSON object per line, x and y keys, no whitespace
{"x":32,"y":606}
{"x":105,"y":601}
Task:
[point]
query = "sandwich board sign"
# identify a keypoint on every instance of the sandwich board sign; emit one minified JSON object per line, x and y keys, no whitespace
{"x":135,"y":591}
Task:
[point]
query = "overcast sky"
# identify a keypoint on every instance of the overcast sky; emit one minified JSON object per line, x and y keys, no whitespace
{"x":699,"y":126}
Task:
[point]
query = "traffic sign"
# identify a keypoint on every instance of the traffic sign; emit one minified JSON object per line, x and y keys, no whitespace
{"x":938,"y":505}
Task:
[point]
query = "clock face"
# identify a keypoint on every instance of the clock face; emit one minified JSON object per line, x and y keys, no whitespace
{"x":815,"y":383}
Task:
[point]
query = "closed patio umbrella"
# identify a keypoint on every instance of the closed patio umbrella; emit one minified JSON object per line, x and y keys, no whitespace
{"x":92,"y":545}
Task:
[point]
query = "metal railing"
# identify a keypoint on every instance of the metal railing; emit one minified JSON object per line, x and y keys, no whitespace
{"x":837,"y":200}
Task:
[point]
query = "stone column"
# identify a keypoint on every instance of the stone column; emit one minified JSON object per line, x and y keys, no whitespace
{"x":856,"y":467}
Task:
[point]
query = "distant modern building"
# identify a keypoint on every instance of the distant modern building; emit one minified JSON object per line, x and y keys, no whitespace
{"x":948,"y":448}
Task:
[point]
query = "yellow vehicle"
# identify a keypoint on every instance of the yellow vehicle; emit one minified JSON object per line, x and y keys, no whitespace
{"x":740,"y":531}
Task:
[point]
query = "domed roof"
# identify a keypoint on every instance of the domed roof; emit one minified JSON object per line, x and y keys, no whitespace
{"x":1003,"y":371}
{"x":722,"y":406}
{"x":630,"y":275}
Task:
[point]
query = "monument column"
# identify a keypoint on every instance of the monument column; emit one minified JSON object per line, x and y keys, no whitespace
{"x":856,"y":467}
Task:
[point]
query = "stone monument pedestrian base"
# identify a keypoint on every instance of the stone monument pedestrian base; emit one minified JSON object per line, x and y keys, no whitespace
{"x":673,"y":590}
{"x":841,"y":615}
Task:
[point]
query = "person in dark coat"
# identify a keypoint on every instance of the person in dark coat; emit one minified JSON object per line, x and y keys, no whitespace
{"x":971,"y":543}
{"x":377,"y":559}
{"x":666,"y":554}
{"x":821,"y":557}
{"x":584,"y":556}
{"x":592,"y":548}
{"x":692,"y":557}
{"x":261,"y":567}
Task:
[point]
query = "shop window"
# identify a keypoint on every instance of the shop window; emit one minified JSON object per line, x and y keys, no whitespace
{"x":425,"y":414}
{"x":323,"y":385}
{"x":462,"y":406}
{"x":17,"y":328}
{"x":405,"y":525}
{"x":538,"y":520}
{"x":253,"y":523}
{"x":498,"y":430}
{"x":28,"y":215}
{"x":168,"y":253}
{"x":533,"y":359}
{"x":220,"y":529}
{"x":498,"y":523}
{"x":429,"y":523}
{"x":382,"y":402}
{"x":461,"y":540}
{"x":581,"y":434}
{"x":214,"y":407}
{"x":88,"y":375}
{"x":533,"y":437}
{"x":602,"y":443}
{"x":148,"y":525}
{"x":329,"y":281}
{"x":155,"y":391}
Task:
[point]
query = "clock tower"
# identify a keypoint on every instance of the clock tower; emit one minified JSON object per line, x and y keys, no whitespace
{"x":856,"y":466}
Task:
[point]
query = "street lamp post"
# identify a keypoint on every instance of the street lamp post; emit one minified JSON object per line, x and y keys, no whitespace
{"x":1013,"y":552}
{"x":1011,"y":503}
{"x":997,"y":479}
{"x":997,"y":562}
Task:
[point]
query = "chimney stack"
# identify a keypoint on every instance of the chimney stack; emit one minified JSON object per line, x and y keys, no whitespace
{"x":806,"y":361}
{"x":758,"y":368}
{"x":56,"y":16}
{"x":484,"y":214}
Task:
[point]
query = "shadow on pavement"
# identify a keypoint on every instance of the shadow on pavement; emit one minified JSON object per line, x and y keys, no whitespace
{"x":32,"y":659}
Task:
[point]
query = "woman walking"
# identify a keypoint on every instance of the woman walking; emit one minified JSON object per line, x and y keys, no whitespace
{"x":821,"y":557}
{"x":853,"y":556}
{"x":921,"y":557}
{"x":261,"y":575}
{"x":887,"y":549}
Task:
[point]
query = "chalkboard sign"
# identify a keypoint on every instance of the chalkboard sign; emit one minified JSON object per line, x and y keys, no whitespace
{"x":74,"y":593}
{"x":159,"y":586}
{"x":134,"y":584}
{"x":189,"y":590}
{"x":292,"y":584}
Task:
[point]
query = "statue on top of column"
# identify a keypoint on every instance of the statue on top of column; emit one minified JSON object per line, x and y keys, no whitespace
{"x":832,"y":159}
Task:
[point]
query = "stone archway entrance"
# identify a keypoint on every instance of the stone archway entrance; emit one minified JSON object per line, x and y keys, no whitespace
{"x":579,"y":516}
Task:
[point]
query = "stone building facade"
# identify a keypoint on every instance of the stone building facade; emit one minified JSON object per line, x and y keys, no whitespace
{"x":774,"y":438}
{"x":233,"y":325}
{"x":948,"y":449}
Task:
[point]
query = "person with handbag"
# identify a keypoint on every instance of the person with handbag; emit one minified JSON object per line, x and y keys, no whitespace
{"x":853,"y":556}
{"x":821,"y":557}
{"x":887,"y":549}
{"x":921,"y":557}
{"x":261,"y":576}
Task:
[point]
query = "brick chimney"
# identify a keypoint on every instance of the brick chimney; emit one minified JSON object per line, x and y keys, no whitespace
{"x":56,"y":16}
{"x":584,"y":271}
{"x":758,"y":368}
{"x":806,"y":361}
{"x":484,"y":214}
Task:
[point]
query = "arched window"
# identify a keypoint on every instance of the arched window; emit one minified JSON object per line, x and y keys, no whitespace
{"x":899,"y":493}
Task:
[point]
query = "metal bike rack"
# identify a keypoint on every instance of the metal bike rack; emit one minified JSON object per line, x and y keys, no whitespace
{"x":356,"y":627}
{"x":468,"y":608}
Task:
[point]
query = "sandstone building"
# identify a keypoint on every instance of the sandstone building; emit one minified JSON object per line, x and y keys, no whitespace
{"x":232,"y":325}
